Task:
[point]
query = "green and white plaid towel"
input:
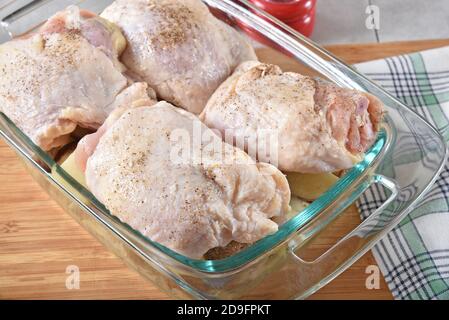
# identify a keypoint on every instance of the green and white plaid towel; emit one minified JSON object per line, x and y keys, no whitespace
{"x":414,"y":257}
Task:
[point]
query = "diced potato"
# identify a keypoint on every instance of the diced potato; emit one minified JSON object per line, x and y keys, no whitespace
{"x":310,"y":186}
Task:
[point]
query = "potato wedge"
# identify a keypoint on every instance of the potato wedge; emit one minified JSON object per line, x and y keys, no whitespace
{"x":70,"y":166}
{"x":296,"y":205}
{"x":310,"y":186}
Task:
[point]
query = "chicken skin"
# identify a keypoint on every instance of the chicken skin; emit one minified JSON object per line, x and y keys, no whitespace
{"x":65,"y":75}
{"x":191,"y":204}
{"x":319,"y":127}
{"x":178,"y":47}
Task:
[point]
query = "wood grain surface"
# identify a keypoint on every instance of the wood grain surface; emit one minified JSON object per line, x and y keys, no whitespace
{"x":38,"y":240}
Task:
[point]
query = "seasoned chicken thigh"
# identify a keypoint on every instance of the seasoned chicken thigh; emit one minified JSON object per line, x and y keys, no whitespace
{"x":167,"y":175}
{"x":318,"y":126}
{"x":178,"y":47}
{"x":98,"y":31}
{"x":65,"y":75}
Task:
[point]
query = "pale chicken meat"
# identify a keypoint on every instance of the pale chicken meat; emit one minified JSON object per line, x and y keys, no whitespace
{"x":163,"y":172}
{"x":178,"y":47}
{"x":318,"y":127}
{"x":65,"y":75}
{"x":136,"y":95}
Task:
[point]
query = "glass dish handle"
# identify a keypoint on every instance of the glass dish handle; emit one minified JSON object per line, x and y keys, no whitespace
{"x":341,"y":255}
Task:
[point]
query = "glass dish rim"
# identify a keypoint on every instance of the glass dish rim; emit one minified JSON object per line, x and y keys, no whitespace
{"x":255,"y":250}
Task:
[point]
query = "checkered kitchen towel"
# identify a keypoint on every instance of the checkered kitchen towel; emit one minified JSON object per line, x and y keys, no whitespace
{"x":414,"y":257}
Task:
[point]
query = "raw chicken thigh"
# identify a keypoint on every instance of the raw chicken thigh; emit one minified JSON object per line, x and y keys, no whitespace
{"x":65,"y":75}
{"x":319,"y":127}
{"x":98,"y":31}
{"x":178,"y":47}
{"x":163,"y":172}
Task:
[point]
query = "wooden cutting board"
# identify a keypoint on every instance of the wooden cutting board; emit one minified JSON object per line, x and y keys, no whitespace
{"x":38,"y":240}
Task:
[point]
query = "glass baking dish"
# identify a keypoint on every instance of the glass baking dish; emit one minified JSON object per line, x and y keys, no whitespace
{"x":273,"y":267}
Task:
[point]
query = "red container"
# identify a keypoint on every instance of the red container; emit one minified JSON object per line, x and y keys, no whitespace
{"x":298,"y":14}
